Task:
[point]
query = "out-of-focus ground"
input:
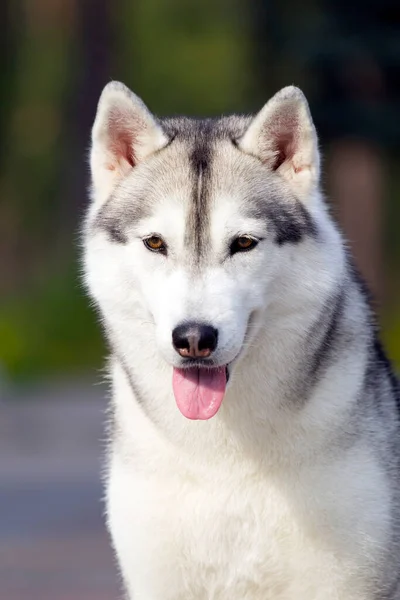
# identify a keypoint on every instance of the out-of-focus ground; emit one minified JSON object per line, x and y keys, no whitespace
{"x":53,"y":543}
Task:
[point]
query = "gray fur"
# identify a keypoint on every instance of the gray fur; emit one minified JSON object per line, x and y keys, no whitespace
{"x":117,"y":216}
{"x":200,"y":144}
{"x":308,"y":434}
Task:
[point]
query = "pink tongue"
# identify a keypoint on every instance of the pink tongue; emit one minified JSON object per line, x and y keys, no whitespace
{"x":199,"y":392}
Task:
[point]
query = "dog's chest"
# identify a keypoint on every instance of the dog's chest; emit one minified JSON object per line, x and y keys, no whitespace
{"x":210,"y":539}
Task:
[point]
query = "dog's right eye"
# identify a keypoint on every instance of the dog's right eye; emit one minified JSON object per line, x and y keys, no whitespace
{"x":243,"y":243}
{"x":155,"y":243}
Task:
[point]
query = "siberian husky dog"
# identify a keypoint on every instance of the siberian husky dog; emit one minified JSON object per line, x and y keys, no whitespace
{"x":255,"y":441}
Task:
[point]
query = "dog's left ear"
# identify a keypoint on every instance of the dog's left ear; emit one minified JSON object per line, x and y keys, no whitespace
{"x":282,"y":135}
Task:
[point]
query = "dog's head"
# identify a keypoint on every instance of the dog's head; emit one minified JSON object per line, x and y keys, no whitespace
{"x":193,"y":223}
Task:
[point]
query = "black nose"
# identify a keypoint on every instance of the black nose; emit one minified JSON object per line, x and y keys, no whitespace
{"x":194,"y":340}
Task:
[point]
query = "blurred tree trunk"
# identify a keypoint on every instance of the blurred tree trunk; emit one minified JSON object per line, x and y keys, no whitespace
{"x":265,"y":27}
{"x":41,"y":31}
{"x":6,"y":92}
{"x":95,"y":43}
{"x":356,"y":182}
{"x":7,"y":50}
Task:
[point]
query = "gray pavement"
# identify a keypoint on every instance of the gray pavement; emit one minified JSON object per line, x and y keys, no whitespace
{"x":53,"y":544}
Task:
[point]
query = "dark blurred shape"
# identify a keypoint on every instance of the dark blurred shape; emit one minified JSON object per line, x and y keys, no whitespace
{"x":357,"y":68}
{"x":355,"y":111}
{"x":348,"y":57}
{"x":96,"y":47}
{"x":357,"y":185}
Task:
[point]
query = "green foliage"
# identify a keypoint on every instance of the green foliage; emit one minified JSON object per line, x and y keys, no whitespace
{"x":187,"y":57}
{"x":49,"y":329}
{"x":391,"y":337}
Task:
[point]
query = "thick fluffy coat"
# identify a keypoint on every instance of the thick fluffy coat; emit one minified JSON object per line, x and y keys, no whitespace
{"x":291,"y":491}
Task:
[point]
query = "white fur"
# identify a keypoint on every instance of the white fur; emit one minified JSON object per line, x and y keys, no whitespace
{"x":264,"y":501}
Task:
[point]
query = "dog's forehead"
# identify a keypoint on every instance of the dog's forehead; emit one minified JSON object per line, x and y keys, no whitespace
{"x":185,"y":175}
{"x":200,"y":170}
{"x":205,"y":155}
{"x":200,"y":153}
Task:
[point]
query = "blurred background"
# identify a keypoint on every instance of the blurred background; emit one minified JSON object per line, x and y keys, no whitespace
{"x":203,"y":58}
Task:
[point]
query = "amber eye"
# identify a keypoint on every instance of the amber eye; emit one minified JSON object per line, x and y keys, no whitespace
{"x":242,"y":244}
{"x":155,"y":243}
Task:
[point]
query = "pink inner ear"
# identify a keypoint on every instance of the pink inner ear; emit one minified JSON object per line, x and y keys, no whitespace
{"x":121,"y":139}
{"x":123,"y":148}
{"x":285,"y":149}
{"x":282,"y":151}
{"x":285,"y":136}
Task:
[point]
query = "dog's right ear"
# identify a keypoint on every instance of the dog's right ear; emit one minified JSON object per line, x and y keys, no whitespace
{"x":124,"y":133}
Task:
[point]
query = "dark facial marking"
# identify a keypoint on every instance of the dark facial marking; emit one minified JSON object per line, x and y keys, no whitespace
{"x":199,"y":136}
{"x":290,"y":220}
{"x":116,"y":216}
{"x":291,"y":223}
{"x":200,"y":164}
{"x":112,"y":227}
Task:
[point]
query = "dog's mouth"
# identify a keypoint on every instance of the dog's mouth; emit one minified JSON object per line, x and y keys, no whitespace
{"x":199,"y":385}
{"x":199,"y":390}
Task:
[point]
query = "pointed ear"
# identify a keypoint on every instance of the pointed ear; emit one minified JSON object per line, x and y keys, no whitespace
{"x":282,"y":135}
{"x":124,"y":133}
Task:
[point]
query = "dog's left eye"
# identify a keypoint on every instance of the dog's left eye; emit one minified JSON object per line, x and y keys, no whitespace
{"x":155,"y":243}
{"x":243,"y":243}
